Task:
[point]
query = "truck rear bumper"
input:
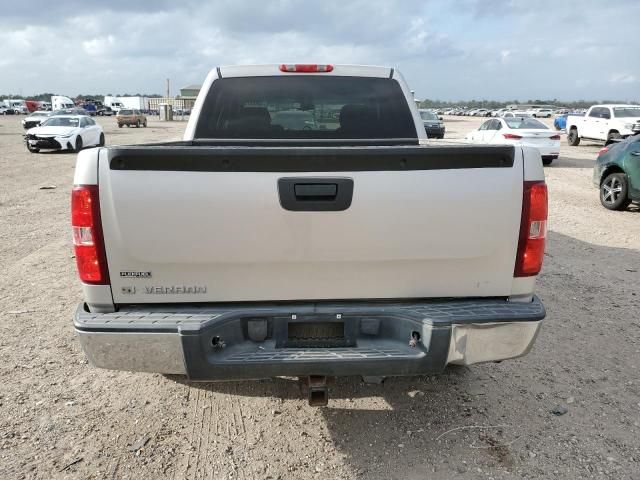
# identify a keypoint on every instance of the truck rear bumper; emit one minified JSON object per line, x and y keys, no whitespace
{"x":250,"y":341}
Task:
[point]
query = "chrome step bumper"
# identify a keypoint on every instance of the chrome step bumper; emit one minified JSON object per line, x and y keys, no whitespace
{"x":217,"y":342}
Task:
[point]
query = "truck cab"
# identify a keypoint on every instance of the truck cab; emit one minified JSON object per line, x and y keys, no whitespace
{"x":59,"y":102}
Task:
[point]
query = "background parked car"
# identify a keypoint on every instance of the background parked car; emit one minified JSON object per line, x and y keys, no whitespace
{"x":605,"y":123}
{"x":65,"y":132}
{"x":433,"y":125}
{"x":560,"y":122}
{"x":131,"y":117}
{"x":542,"y":113}
{"x":7,"y":111}
{"x":527,"y":132}
{"x":105,"y":111}
{"x":35,"y":119}
{"x":617,"y":173}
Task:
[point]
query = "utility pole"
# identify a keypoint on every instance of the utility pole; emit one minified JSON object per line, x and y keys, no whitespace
{"x":168,"y":89}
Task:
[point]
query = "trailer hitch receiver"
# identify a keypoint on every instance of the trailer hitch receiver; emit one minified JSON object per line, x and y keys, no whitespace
{"x":318,"y":391}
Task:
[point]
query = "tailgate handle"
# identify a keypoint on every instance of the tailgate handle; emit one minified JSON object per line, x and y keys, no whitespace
{"x":313,"y":191}
{"x":315,"y":194}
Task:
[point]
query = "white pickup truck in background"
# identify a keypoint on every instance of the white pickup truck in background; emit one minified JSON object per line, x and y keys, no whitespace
{"x":604,"y":123}
{"x":339,"y":244}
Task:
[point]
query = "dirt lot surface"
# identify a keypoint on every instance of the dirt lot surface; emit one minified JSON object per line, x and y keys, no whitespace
{"x":62,"y":418}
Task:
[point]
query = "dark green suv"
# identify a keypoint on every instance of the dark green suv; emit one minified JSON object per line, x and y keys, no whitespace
{"x":617,"y":173}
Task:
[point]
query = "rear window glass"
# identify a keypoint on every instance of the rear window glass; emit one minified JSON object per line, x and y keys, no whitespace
{"x":126,"y":112}
{"x":305,"y":107}
{"x":621,"y":112}
{"x":522,"y":123}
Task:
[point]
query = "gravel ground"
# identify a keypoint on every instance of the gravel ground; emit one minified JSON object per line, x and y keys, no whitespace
{"x":61,"y":418}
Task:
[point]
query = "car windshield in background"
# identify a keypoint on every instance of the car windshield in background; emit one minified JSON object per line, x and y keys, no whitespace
{"x":428,"y":116}
{"x":125,"y":112}
{"x":525,"y":123}
{"x":70,"y":111}
{"x":61,"y":122}
{"x":305,"y":107}
{"x":622,"y":112}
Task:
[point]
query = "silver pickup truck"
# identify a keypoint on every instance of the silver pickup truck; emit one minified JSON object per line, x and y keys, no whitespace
{"x":305,"y":227}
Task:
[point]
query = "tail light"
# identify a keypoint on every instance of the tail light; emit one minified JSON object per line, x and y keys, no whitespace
{"x":511,"y":136}
{"x":554,"y":137}
{"x":305,"y":68}
{"x":603,"y":150}
{"x":88,"y":241}
{"x":533,"y":229}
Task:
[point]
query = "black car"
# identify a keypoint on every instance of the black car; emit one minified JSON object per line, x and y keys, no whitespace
{"x":433,"y":125}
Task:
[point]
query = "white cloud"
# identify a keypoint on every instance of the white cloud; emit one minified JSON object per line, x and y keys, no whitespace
{"x":618,"y":78}
{"x":505,"y":56}
{"x":98,"y":46}
{"x":449,"y":50}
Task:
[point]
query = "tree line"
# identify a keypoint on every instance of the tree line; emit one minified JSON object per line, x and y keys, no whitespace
{"x":493,"y":104}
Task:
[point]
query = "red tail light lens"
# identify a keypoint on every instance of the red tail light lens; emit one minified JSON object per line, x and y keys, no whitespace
{"x":533,"y":229}
{"x":87,"y":235}
{"x":305,"y":68}
{"x":603,"y":150}
{"x":511,"y":136}
{"x":554,"y":137}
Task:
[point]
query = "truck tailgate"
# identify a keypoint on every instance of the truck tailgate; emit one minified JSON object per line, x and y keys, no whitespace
{"x":206,"y":224}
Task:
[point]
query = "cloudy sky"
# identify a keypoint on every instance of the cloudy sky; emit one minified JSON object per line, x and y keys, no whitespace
{"x":447,"y":49}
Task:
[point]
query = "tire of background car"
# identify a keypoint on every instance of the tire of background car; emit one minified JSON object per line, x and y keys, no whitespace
{"x":547,"y":161}
{"x":534,"y":115}
{"x":101,"y":143}
{"x":78,"y":145}
{"x":32,"y":149}
{"x":145,"y":123}
{"x":611,"y":137}
{"x":572,"y":138}
{"x":137,"y":123}
{"x":119,"y":125}
{"x":614,"y":192}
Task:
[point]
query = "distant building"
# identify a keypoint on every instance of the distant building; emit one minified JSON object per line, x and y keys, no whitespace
{"x":181,"y":103}
{"x":190,"y":91}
